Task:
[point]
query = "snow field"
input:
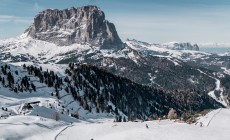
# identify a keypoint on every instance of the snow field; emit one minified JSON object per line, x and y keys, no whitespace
{"x":218,"y":128}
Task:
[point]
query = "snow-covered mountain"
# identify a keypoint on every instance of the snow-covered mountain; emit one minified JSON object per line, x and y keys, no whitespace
{"x":171,"y":66}
{"x":32,"y":91}
{"x":141,"y":62}
{"x":71,"y":66}
{"x":88,"y":92}
{"x":183,"y":51}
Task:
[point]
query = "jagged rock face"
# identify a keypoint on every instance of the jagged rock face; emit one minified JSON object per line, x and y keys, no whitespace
{"x":84,"y":25}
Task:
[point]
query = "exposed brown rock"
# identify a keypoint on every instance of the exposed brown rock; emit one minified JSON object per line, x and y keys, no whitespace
{"x":84,"y":25}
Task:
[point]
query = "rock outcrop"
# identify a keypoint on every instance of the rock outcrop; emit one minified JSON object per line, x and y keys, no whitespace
{"x":84,"y":25}
{"x":181,"y":46}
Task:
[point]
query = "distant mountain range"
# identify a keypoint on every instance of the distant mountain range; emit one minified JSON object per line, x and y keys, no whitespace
{"x":215,"y":45}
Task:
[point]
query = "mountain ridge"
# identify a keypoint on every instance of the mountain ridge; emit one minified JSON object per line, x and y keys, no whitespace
{"x":143,"y":64}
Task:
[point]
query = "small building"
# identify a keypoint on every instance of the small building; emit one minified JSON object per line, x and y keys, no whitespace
{"x":28,"y":106}
{"x":75,"y":115}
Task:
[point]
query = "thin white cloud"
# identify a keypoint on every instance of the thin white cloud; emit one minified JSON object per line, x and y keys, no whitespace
{"x":16,"y":19}
{"x":37,"y":7}
{"x":6,"y":17}
{"x":4,"y":20}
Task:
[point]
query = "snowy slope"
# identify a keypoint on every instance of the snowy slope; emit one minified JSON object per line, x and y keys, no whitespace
{"x":163,"y":130}
{"x":41,"y":51}
{"x":215,"y":126}
{"x":163,"y":51}
{"x":29,"y":127}
{"x":25,"y":48}
{"x":48,"y":105}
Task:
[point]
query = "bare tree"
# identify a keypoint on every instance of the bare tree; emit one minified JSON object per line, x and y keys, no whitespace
{"x":172,"y":114}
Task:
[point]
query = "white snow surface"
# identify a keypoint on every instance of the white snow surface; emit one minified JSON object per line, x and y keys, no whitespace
{"x":29,"y":127}
{"x":161,"y":51}
{"x":44,"y":51}
{"x":41,"y":50}
{"x":226,"y":71}
{"x":215,"y":127}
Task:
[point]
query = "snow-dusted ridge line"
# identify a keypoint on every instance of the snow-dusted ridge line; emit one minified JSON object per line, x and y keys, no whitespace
{"x":163,"y":51}
{"x":44,"y":52}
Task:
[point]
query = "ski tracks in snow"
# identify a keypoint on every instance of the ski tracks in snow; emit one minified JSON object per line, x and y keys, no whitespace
{"x":55,"y":138}
{"x":213,"y":117}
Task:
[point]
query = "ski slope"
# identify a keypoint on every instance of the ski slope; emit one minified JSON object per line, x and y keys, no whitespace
{"x":218,"y":129}
{"x":215,"y":127}
{"x":29,"y":127}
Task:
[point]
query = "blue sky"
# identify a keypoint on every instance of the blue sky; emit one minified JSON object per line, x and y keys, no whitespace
{"x":156,"y":21}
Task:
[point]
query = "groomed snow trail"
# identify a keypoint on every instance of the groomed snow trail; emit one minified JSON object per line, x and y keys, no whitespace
{"x":213,"y":117}
{"x":55,"y":138}
{"x":218,"y":88}
{"x":216,"y":128}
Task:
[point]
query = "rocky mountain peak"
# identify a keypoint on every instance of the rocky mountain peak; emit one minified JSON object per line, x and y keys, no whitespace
{"x":84,"y":25}
{"x":181,"y":46}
